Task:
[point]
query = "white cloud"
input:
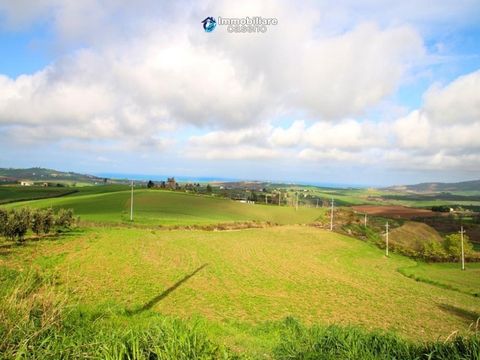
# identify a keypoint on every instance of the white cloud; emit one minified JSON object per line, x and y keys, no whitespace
{"x":146,"y":72}
{"x":458,"y":102}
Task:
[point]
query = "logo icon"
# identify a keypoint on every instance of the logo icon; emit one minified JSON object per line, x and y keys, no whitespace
{"x":209,"y":24}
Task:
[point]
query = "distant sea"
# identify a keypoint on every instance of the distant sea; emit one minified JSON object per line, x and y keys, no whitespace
{"x":204,"y":179}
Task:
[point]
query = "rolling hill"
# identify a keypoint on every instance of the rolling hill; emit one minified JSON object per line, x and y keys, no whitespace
{"x":434,"y":187}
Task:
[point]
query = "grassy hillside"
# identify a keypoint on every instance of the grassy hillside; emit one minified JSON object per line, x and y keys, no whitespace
{"x":447,"y":276}
{"x":413,"y":234}
{"x":21,"y":193}
{"x":473,"y":185}
{"x":172,"y":208}
{"x":42,"y":174}
{"x":235,"y":283}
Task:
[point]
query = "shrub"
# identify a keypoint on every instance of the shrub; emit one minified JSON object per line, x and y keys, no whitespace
{"x":3,"y":220}
{"x":37,"y":222}
{"x":42,"y":221}
{"x":64,"y":219}
{"x":433,"y":250}
{"x":17,"y":224}
{"x":49,"y":220}
{"x":453,"y":246}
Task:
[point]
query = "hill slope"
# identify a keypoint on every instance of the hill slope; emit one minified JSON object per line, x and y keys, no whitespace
{"x":42,"y":174}
{"x":159,"y":207}
{"x":433,"y":187}
{"x":237,"y":282}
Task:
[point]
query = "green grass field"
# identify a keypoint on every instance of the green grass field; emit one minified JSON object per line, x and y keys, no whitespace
{"x":155,"y":207}
{"x":236,"y":282}
{"x":448,"y":275}
{"x":236,"y":287}
{"x":21,"y":193}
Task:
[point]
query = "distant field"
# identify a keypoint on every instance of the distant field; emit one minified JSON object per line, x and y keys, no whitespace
{"x":235,"y":282}
{"x":394,"y":211}
{"x":448,"y":276}
{"x":11,"y":193}
{"x":158,"y":207}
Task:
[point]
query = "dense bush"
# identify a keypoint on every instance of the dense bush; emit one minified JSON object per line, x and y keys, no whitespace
{"x":64,"y":219}
{"x":453,"y":246}
{"x":15,"y":223}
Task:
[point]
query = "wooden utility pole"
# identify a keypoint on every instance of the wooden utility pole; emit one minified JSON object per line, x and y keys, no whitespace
{"x":331,"y":216}
{"x":365,"y":220}
{"x":386,"y":239}
{"x":463,"y":253}
{"x":131,"y":204}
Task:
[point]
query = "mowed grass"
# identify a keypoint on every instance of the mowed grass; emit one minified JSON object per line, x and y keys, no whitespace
{"x":155,"y":207}
{"x":448,"y":275}
{"x":236,"y":282}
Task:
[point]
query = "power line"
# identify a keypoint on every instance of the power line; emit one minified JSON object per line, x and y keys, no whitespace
{"x":463,"y":253}
{"x":331,"y":216}
{"x":386,"y":239}
{"x":131,"y":204}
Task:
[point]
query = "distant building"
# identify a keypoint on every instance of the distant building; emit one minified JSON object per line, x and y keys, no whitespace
{"x":26,"y":183}
{"x":171,"y":183}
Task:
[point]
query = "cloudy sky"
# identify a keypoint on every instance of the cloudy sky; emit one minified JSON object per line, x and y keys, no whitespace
{"x":359,"y":92}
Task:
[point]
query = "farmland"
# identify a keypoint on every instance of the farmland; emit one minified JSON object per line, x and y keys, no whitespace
{"x":233,"y":282}
{"x":235,"y":287}
{"x":172,"y":208}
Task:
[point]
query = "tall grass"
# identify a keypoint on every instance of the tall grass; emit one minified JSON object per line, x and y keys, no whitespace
{"x":36,"y":324}
{"x":334,"y":342}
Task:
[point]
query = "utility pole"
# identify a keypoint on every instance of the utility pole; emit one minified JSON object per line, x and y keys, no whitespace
{"x":365,"y":220}
{"x":316,"y":206}
{"x":296,"y":201}
{"x":279,"y":197}
{"x":463,"y":254}
{"x":331,"y":216}
{"x":131,"y":204}
{"x":386,"y":239}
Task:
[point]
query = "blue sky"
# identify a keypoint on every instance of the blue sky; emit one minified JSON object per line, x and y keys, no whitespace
{"x":356,"y":92}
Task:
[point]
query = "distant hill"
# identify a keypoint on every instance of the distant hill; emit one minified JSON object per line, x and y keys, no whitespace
{"x":433,"y":187}
{"x":47,"y":175}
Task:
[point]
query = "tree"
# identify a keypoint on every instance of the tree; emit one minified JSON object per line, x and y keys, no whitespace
{"x":64,"y":219}
{"x":209,"y":189}
{"x":48,"y":220}
{"x":3,"y":220}
{"x":453,"y":245}
{"x":17,"y":225}
{"x":150,"y":184}
{"x":37,"y":221}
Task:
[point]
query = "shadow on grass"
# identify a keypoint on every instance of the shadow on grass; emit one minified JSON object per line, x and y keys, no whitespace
{"x":468,"y":316}
{"x":163,"y":295}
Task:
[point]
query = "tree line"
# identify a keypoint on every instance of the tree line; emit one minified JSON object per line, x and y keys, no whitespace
{"x":15,"y":223}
